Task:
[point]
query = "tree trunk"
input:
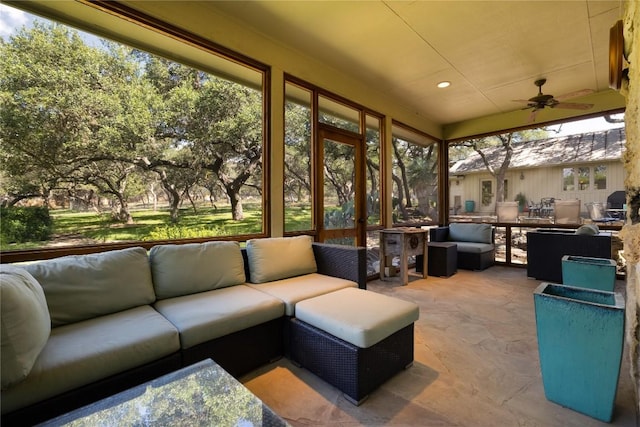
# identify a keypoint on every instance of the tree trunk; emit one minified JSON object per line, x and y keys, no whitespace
{"x":122,"y":214}
{"x":401,"y":206}
{"x":174,"y":201}
{"x":500,"y":186}
{"x":403,"y":171}
{"x":236,"y":203}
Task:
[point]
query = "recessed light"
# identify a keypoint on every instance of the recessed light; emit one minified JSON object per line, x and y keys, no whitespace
{"x":444,"y":84}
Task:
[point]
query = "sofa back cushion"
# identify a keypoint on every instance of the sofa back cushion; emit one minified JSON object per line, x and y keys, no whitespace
{"x":470,"y":232}
{"x":25,"y":323}
{"x":195,"y":267}
{"x":80,"y":287}
{"x":280,"y":258}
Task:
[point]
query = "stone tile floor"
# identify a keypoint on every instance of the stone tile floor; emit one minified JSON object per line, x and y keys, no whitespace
{"x":476,"y":364}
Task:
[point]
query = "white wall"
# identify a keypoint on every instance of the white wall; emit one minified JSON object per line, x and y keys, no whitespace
{"x":539,"y":183}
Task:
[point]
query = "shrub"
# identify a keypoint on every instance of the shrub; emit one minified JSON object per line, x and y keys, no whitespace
{"x":173,"y":232}
{"x":25,"y":224}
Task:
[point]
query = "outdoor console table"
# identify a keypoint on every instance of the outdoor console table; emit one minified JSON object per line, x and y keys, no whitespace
{"x":402,"y":242}
{"x":200,"y":394}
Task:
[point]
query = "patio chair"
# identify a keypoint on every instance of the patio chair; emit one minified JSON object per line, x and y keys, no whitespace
{"x":546,"y":206}
{"x":598,"y":213}
{"x":534,"y":209}
{"x":566,"y":211}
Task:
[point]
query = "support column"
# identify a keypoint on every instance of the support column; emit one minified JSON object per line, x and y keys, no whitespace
{"x":631,"y":230}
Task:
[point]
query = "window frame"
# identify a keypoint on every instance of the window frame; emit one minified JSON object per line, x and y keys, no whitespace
{"x":153,"y":27}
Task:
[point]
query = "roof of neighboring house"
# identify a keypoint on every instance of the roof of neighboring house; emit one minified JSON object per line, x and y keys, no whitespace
{"x":581,"y":148}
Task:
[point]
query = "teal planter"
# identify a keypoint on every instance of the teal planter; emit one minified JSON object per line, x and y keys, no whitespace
{"x":586,"y":272}
{"x":469,"y":206}
{"x":580,"y":342}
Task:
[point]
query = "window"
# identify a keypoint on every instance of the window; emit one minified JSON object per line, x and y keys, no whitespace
{"x":297,"y":159}
{"x":374,"y":200}
{"x":338,"y":115}
{"x":125,"y":146}
{"x":583,"y":178}
{"x":600,"y":177}
{"x":415,"y":177}
{"x":580,"y":178}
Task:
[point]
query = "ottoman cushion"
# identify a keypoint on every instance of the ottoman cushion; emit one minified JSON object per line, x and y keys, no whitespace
{"x":296,"y":289}
{"x":360,"y":317}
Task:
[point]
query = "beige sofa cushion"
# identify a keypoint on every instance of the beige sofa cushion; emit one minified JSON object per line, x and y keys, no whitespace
{"x":280,"y":257}
{"x":25,"y":324}
{"x":360,"y":317}
{"x":100,"y":284}
{"x":295,"y":289}
{"x":196,"y":267}
{"x":88,"y":351}
{"x":208,"y":315}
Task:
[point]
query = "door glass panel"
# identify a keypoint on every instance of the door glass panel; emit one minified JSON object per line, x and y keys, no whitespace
{"x":487,"y":193}
{"x":345,"y":241}
{"x":339,"y":185}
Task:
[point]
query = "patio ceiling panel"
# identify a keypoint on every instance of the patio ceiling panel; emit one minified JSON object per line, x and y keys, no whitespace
{"x":490,"y":51}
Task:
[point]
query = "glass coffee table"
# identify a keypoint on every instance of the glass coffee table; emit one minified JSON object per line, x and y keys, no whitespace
{"x":202,"y":394}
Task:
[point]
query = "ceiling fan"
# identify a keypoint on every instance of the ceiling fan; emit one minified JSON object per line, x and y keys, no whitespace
{"x":541,"y":101}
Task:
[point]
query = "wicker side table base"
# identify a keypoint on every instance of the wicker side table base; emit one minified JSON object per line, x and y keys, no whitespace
{"x":353,"y":370}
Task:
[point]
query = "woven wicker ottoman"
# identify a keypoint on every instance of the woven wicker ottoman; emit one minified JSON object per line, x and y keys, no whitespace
{"x":353,"y":339}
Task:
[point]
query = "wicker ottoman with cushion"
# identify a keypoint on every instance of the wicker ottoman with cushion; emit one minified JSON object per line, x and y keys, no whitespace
{"x":353,"y":339}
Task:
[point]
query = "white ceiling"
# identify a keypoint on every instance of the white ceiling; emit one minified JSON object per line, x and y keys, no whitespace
{"x":490,"y":51}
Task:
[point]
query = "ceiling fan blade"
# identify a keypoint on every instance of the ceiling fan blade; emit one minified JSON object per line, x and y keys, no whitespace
{"x":576,"y":94}
{"x":573,"y":106}
{"x":525,"y":101}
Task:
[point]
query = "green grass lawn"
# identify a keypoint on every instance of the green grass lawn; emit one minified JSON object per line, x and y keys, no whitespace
{"x":152,"y":225}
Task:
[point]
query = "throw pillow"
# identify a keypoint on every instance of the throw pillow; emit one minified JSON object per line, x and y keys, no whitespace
{"x":280,"y":257}
{"x":588,"y":230}
{"x":25,"y":325}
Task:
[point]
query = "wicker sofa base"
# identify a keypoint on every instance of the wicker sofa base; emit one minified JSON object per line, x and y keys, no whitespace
{"x":474,"y":261}
{"x":353,"y":370}
{"x":241,"y":352}
{"x":57,"y":405}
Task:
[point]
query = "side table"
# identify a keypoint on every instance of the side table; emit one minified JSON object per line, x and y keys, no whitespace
{"x":402,"y":242}
{"x":443,"y":259}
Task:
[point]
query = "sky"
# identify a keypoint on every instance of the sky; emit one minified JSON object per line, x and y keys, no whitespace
{"x":11,"y":20}
{"x":588,"y":125}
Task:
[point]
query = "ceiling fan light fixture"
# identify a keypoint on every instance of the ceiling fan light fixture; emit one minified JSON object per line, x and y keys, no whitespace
{"x":444,"y":84}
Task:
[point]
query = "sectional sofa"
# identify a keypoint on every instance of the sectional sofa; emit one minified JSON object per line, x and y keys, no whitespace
{"x":475,"y":241}
{"x":79,"y":328}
